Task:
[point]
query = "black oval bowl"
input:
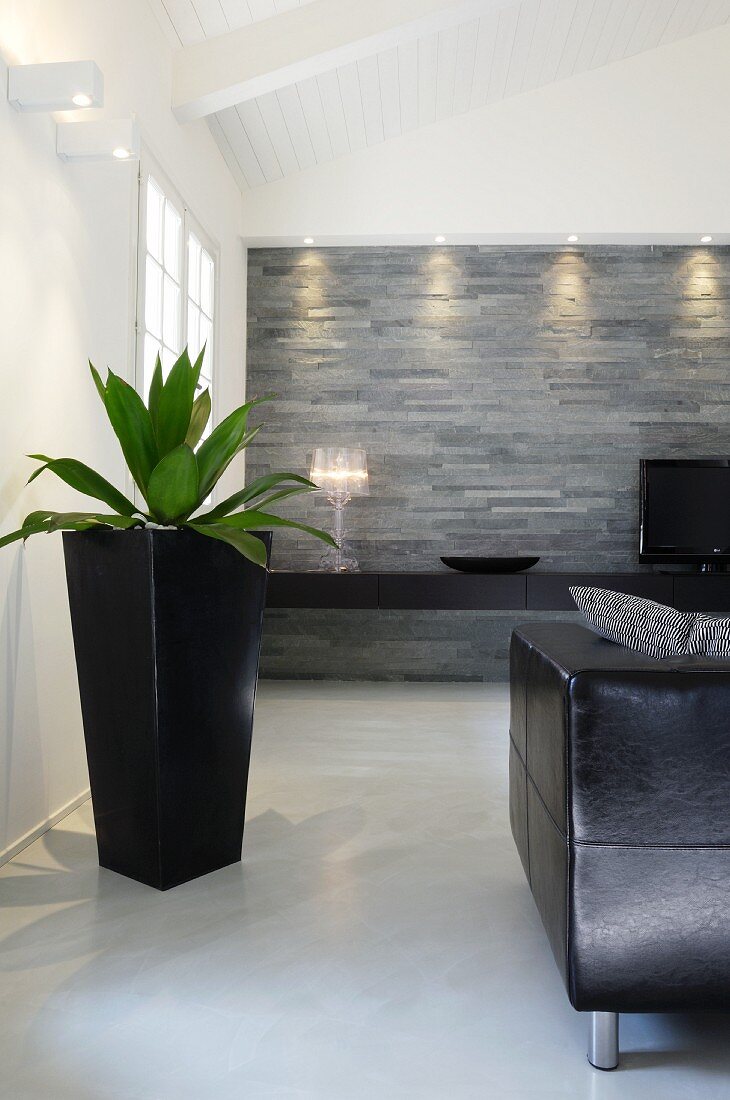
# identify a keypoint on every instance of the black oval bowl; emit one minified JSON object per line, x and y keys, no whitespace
{"x":490,"y":565}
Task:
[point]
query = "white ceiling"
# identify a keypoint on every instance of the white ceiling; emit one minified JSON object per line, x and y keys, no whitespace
{"x":525,"y":45}
{"x":189,"y":21}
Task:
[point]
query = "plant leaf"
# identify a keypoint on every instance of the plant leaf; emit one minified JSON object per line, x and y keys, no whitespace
{"x":198,"y":364}
{"x":223,"y":444}
{"x":256,"y":489}
{"x":173,"y":485}
{"x":98,"y":382}
{"x":133,"y":427}
{"x":175,"y":405}
{"x":153,"y":398}
{"x":87,"y":481}
{"x":247,"y":439}
{"x":39,"y":458}
{"x":36,"y":517}
{"x":248,"y":545}
{"x":253,"y":520}
{"x":58,"y":520}
{"x":283,"y":494}
{"x":23,"y":533}
{"x":198,"y":419}
{"x":64,"y":521}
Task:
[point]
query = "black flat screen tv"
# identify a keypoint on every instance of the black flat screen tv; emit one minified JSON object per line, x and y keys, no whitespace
{"x":685,"y":511}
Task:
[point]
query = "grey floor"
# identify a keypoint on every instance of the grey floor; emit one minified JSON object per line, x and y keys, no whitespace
{"x":378,"y":940}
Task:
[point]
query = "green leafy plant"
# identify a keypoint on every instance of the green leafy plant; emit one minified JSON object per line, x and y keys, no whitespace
{"x":174,"y":468}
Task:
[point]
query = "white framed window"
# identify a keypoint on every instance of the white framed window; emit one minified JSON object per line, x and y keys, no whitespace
{"x":163,"y":278}
{"x":177,"y":284}
{"x":201,"y":305}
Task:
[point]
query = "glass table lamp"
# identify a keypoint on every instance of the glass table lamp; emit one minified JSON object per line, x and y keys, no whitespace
{"x":341,"y":473}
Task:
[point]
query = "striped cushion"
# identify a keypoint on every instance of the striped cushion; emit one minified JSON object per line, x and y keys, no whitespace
{"x":710,"y":636}
{"x":641,"y":625}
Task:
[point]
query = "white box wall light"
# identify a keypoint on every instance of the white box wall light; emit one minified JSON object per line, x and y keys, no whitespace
{"x":103,"y":140}
{"x":56,"y":86}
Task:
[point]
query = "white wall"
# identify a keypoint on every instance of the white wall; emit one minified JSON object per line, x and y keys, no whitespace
{"x":67,"y":237}
{"x":635,"y":148}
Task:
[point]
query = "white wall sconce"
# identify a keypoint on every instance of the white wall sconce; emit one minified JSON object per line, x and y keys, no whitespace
{"x":56,"y":86}
{"x":105,"y":139}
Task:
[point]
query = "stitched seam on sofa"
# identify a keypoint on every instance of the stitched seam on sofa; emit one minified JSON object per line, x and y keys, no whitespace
{"x":547,"y":811}
{"x":530,"y":650}
{"x":567,"y":740}
{"x":563,"y":837}
{"x":527,"y":770}
{"x":513,"y":743}
{"x":657,"y":847}
{"x":660,"y":669}
{"x":527,"y":811}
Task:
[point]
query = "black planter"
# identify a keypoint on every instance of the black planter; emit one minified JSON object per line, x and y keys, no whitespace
{"x":167,"y":632}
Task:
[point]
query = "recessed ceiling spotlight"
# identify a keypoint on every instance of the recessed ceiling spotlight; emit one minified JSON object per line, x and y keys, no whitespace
{"x":440,"y":239}
{"x":309,"y":240}
{"x":706,"y":239}
{"x":573,"y":238}
{"x":121,"y":153}
{"x":81,"y":99}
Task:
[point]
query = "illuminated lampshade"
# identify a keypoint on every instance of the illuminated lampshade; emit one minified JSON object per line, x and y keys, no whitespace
{"x":340,"y":470}
{"x":342,"y":473}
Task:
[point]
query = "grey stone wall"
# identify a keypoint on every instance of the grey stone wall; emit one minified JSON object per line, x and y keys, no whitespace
{"x":504,"y":397}
{"x":392,"y":645}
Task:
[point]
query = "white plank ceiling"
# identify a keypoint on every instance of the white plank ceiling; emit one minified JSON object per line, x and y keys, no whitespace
{"x":189,"y":21}
{"x":525,"y":45}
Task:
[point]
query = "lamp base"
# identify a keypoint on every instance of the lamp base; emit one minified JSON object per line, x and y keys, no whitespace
{"x":340,"y":561}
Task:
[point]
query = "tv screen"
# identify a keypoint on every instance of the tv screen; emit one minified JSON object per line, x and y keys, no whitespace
{"x":685,"y":510}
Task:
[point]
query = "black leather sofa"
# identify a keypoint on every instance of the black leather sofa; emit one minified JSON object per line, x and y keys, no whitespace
{"x":620,"y":810}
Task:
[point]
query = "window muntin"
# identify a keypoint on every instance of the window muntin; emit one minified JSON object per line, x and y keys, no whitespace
{"x":178,"y":298}
{"x":201,"y":304}
{"x":163,"y":274}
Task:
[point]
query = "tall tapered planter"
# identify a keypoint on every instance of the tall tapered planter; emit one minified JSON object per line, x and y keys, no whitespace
{"x":167,"y":633}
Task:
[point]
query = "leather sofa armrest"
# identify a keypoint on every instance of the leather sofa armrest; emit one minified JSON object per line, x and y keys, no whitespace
{"x":648,"y":757}
{"x":621,"y":748}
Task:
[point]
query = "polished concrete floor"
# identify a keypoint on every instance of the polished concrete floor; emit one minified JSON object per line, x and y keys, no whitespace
{"x":378,"y":941}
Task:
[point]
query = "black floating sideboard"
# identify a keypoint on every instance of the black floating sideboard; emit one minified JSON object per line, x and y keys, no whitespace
{"x":487,"y":591}
{"x":450,"y":591}
{"x":356,"y":591}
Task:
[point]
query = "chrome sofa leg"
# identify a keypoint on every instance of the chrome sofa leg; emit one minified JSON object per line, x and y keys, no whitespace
{"x":603,"y":1040}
